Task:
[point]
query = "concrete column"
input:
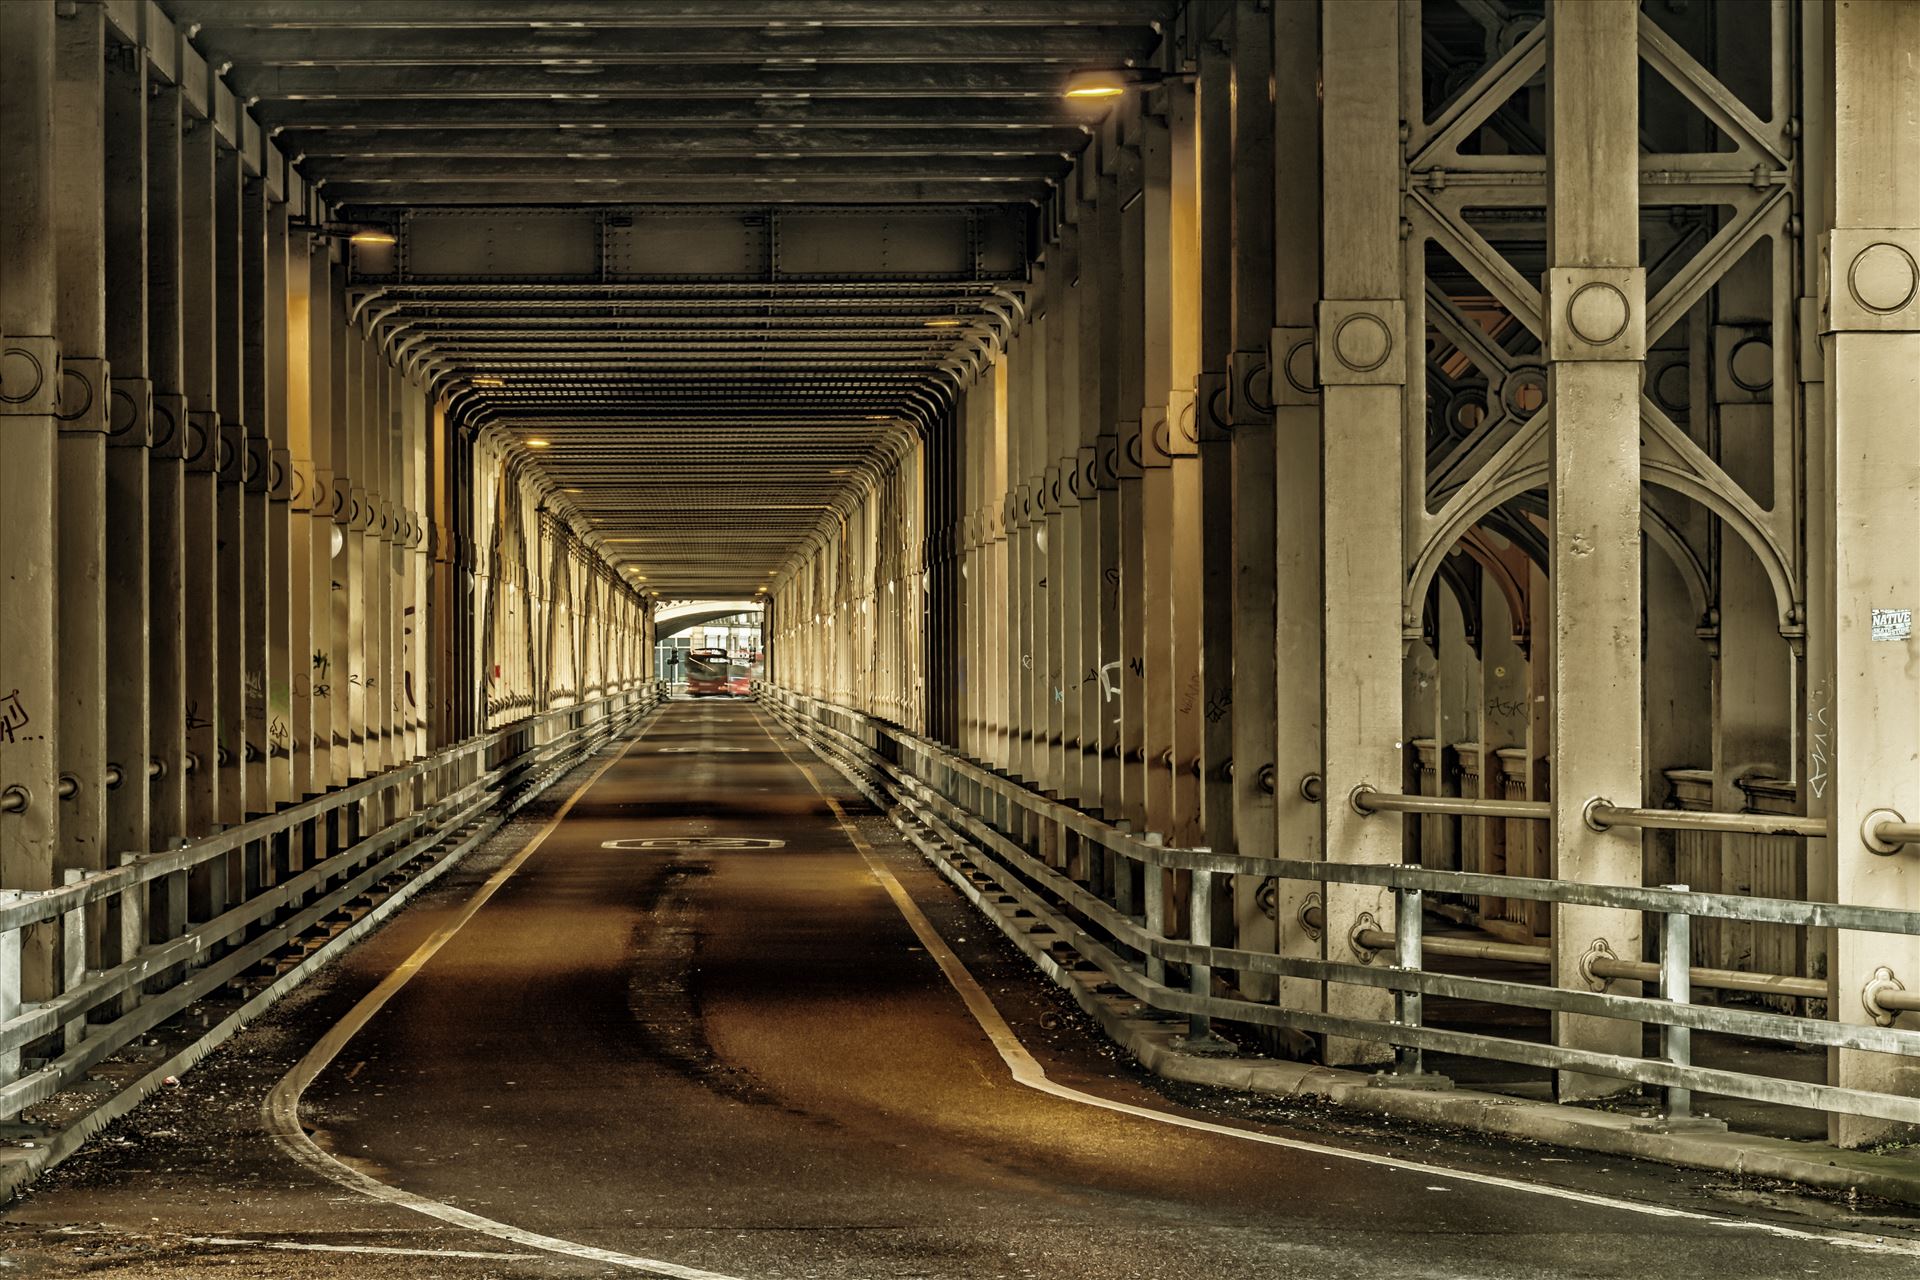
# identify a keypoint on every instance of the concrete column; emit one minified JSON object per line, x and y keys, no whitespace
{"x":1596,"y":338}
{"x":80,"y":221}
{"x":29,"y":467}
{"x":1870,"y":508}
{"x":1298,"y":823}
{"x":1363,"y":360}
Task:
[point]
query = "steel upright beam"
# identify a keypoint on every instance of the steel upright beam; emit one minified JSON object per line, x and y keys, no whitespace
{"x":167,"y":596}
{"x":1871,"y":454}
{"x":200,"y":452}
{"x":232,"y":534}
{"x":1250,"y":704}
{"x":81,"y":232}
{"x":1213,"y":427}
{"x":127,"y":467}
{"x":1364,"y":360}
{"x":29,"y":470}
{"x":1298,"y":825}
{"x":263,"y":274}
{"x":300,"y":489}
{"x":1596,"y":338}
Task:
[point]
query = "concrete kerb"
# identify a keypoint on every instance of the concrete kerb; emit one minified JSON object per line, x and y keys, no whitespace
{"x":1154,"y":1043}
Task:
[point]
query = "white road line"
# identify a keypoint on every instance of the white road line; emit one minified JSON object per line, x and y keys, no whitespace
{"x":299,"y":1246}
{"x":281,"y":1111}
{"x":1026,"y":1070}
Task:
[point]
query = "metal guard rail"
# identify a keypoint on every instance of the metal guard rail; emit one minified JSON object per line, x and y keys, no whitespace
{"x":482,"y":780}
{"x":905,"y":770}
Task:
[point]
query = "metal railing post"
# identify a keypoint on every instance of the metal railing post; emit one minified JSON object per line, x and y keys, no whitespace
{"x":73,"y":957}
{"x":9,"y":988}
{"x":1676,"y":985}
{"x":1409,"y":1060}
{"x":1200,"y":976}
{"x":1154,"y":884}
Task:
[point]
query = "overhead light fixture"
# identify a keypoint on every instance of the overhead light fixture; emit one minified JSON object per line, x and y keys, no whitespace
{"x":539,"y":444}
{"x":572,"y":491}
{"x":487,"y":380}
{"x":944,"y":322}
{"x":1105,"y":83}
{"x":372,"y":237}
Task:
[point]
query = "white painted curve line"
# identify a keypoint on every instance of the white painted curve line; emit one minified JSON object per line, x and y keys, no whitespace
{"x":281,"y":1111}
{"x":1026,"y":1070}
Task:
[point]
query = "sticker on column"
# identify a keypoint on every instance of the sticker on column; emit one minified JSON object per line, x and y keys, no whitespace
{"x":1892,"y":624}
{"x":662,"y":843}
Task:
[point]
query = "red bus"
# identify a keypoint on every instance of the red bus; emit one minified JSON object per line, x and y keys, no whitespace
{"x":740,"y":684}
{"x":709,"y":672}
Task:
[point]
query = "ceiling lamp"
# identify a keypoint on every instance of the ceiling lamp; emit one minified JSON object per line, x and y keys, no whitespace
{"x":372,"y":237}
{"x":488,"y":380}
{"x":1105,"y":83}
{"x":539,"y":444}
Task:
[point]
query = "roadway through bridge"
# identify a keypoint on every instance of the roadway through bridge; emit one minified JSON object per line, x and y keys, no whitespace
{"x":705,"y":1016}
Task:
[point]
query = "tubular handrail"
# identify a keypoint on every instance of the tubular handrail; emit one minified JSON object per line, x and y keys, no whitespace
{"x":1601,"y":815}
{"x":195,"y":957}
{"x":984,"y":830}
{"x":1368,"y":800}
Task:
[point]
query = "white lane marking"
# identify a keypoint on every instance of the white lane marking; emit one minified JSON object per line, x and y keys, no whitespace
{"x":281,"y":1111}
{"x":296,"y":1246}
{"x":1026,"y":1070}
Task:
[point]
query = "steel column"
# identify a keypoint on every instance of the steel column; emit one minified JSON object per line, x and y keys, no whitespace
{"x":1595,"y":303}
{"x":1363,"y":362}
{"x":1871,"y":454}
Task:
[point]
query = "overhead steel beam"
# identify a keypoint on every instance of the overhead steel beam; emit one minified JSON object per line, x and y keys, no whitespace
{"x":701,"y":81}
{"x":766,"y":14}
{"x":696,"y":42}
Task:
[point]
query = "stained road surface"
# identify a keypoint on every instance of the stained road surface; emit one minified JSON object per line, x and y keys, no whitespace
{"x":695,"y":1027}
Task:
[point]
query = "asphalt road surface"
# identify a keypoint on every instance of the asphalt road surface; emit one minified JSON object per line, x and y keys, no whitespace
{"x":699,"y":1028}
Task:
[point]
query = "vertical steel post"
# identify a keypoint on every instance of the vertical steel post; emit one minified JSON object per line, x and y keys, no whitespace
{"x":1298,"y":510}
{"x":1363,"y":362}
{"x":80,"y":218}
{"x":1870,"y":454}
{"x":1409,"y":1060}
{"x":1676,"y":986}
{"x":130,"y":425}
{"x":30,"y":710}
{"x":1596,"y":340}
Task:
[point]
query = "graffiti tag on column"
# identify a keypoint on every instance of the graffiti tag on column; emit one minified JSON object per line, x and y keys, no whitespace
{"x":1820,"y":739}
{"x":13,"y":717}
{"x":1218,"y":705}
{"x":279,"y":741}
{"x":194,"y":719}
{"x":1109,"y":686}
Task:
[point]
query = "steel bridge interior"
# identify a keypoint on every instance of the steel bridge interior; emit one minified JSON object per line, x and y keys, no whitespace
{"x":1353,"y":492}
